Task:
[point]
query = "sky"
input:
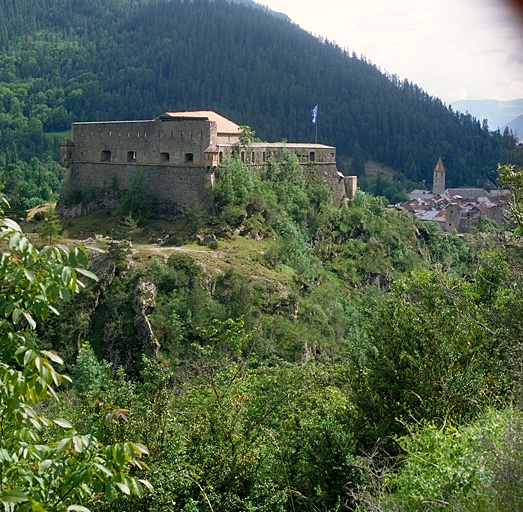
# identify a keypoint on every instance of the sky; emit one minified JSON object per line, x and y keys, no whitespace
{"x":453,"y":49}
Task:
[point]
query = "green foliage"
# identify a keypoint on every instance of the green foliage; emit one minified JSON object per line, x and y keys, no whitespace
{"x":358,"y":160}
{"x":51,"y":227}
{"x":293,"y":248}
{"x":128,"y":228}
{"x":195,"y":217}
{"x":261,"y":438}
{"x":235,"y":186}
{"x":114,"y":331}
{"x":436,"y":350}
{"x":270,"y":386}
{"x":477,"y":467}
{"x":383,"y":185}
{"x":513,"y":178}
{"x":57,"y":469}
{"x":89,"y":374}
{"x":139,"y":200}
{"x":126,"y":232}
{"x":446,"y":249}
{"x":28,"y":184}
{"x":247,"y":135}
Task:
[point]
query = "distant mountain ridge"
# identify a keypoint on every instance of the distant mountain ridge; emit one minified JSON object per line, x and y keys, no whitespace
{"x":498,"y":113}
{"x":516,"y":127}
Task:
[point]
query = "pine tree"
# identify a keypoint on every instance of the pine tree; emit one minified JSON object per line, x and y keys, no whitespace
{"x":128,"y":228}
{"x":51,"y":227}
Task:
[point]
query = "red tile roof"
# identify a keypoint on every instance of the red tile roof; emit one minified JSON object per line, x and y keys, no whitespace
{"x":224,"y":125}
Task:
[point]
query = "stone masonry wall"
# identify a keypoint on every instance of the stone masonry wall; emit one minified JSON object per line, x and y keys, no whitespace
{"x":91,"y":186}
{"x":150,"y":142}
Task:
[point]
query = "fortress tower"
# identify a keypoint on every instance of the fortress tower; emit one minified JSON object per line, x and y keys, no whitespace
{"x":438,"y":180}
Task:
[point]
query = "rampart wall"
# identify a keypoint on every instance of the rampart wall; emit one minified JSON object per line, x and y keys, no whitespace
{"x":89,"y":187}
{"x":177,"y":141}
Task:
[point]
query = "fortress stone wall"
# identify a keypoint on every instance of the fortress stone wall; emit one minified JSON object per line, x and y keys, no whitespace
{"x":174,"y":157}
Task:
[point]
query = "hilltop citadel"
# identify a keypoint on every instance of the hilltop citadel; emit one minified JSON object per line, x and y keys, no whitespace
{"x":176,"y":155}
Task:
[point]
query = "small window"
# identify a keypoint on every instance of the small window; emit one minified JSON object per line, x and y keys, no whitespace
{"x":252,"y":157}
{"x":164,"y":157}
{"x":264,"y":157}
{"x":243,"y":156}
{"x":131,"y":156}
{"x":189,"y":157}
{"x":106,"y":156}
{"x":220,"y":156}
{"x":312,"y":156}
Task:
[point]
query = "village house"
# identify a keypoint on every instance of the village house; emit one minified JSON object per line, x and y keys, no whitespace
{"x":459,"y":209}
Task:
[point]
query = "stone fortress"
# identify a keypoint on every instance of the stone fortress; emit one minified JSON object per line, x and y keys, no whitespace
{"x":174,"y":157}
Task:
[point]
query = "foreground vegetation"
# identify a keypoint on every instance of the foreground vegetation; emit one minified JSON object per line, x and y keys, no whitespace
{"x":309,"y":357}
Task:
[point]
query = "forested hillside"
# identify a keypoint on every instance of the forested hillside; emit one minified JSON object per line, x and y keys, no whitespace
{"x":63,"y":61}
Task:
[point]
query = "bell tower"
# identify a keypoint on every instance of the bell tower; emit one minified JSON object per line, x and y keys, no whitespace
{"x":438,"y":180}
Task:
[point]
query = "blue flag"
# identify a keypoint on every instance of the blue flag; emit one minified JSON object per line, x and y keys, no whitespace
{"x":314,"y":115}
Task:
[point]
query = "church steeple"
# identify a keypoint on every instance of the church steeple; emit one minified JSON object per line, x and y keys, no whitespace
{"x":438,"y":180}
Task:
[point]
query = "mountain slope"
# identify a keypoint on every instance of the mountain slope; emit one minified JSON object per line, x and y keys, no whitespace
{"x":516,"y":126}
{"x":498,"y":113}
{"x":68,"y":61}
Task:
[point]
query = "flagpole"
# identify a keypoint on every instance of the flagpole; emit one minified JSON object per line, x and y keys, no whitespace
{"x":314,"y":119}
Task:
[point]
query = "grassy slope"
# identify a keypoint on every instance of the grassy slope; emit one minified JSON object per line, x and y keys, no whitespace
{"x":243,"y":254}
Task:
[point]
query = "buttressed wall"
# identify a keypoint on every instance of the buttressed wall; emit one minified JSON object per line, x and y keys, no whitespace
{"x":173,"y":156}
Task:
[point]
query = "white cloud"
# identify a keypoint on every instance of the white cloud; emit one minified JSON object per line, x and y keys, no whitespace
{"x":466,"y":49}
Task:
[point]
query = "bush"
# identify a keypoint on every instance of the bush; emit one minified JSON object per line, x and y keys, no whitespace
{"x":233,"y":215}
{"x":476,"y":467}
